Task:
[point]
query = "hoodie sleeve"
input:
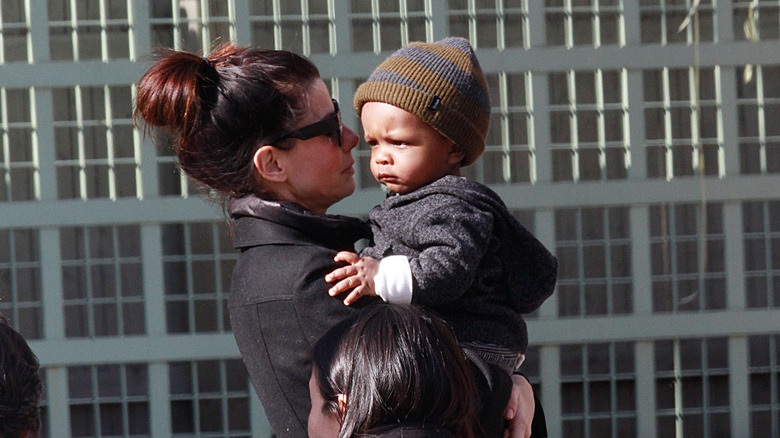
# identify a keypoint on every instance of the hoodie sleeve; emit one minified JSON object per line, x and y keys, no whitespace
{"x":453,"y":237}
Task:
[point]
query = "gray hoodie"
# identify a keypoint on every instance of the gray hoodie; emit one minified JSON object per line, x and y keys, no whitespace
{"x":471,"y":260}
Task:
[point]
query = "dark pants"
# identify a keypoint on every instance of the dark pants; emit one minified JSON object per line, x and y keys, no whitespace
{"x":494,"y":387}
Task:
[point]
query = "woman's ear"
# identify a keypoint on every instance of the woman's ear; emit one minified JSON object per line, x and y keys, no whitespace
{"x":266,"y":162}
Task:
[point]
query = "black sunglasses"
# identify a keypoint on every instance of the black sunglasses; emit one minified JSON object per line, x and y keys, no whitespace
{"x":327,"y":126}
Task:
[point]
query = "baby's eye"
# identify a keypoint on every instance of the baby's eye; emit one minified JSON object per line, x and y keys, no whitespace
{"x":372,"y":143}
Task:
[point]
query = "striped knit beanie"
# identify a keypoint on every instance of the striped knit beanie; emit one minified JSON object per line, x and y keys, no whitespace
{"x":440,"y":83}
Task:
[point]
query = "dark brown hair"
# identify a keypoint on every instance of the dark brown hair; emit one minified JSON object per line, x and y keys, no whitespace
{"x":20,"y":385}
{"x":222,"y":107}
{"x":396,"y":364}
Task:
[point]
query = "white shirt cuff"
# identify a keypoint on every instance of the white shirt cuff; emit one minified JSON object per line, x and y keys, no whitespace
{"x":393,"y":282}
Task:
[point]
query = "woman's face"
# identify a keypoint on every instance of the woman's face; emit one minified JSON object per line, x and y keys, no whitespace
{"x":319,"y":171}
{"x":321,"y":424}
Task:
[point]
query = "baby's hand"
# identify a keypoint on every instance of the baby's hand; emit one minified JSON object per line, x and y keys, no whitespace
{"x":358,"y":276}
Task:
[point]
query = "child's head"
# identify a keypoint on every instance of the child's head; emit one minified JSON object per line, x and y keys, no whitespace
{"x":386,"y":365}
{"x":442,"y":86}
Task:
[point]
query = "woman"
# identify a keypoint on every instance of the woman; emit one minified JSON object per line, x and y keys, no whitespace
{"x":390,"y":370}
{"x":259,"y":128}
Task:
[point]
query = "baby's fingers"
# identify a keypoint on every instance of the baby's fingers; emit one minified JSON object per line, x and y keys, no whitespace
{"x":342,"y":286}
{"x":354,"y":295}
{"x":347,"y":256}
{"x":338,"y":274}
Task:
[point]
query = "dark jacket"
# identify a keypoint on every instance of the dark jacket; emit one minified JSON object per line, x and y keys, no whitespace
{"x":279,"y":304}
{"x":471,"y":260}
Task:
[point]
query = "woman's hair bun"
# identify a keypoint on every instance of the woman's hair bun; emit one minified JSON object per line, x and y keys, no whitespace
{"x":171,"y":93}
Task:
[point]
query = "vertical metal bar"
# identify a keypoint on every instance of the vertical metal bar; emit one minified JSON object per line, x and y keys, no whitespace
{"x":551,"y":387}
{"x":734,"y":257}
{"x":568,"y":24}
{"x":586,"y":379}
{"x":240,"y":29}
{"x":596,"y":22}
{"x":232,"y":32}
{"x":123,"y":396}
{"x":526,"y":22}
{"x":28,"y":26}
{"x":720,"y":131}
{"x":74,"y":35}
{"x":2,"y":38}
{"x":118,"y":296}
{"x":224,"y":398}
{"x":80,"y":142}
{"x":573,"y":128}
{"x":205,"y":30}
{"x":580,"y":262}
{"x":613,"y":382}
{"x":625,"y":106}
{"x":89,"y":293}
{"x":305,"y":28}
{"x":530,"y":131}
{"x":694,"y":106}
{"x":678,"y":394}
{"x":103,"y":31}
{"x":601,"y":123}
{"x":195,"y":396}
{"x":646,"y":384}
{"x":503,"y":102}
{"x":706,"y":374}
{"x":760,"y":101}
{"x":176,"y":23}
{"x":218,"y":291}
{"x":428,"y":6}
{"x":403,"y":13}
{"x":768,"y":243}
{"x":473,"y":31}
{"x":110,"y":153}
{"x":12,"y":267}
{"x":609,"y":279}
{"x":664,"y":39}
{"x":622,"y":39}
{"x":668,"y":140}
{"x":375,"y":26}
{"x":131,"y":31}
{"x":95,"y":399}
{"x":333,"y":36}
{"x":6,"y":143}
{"x":500,"y":26}
{"x":670,"y":250}
{"x":774,"y":376}
{"x":189,"y":259}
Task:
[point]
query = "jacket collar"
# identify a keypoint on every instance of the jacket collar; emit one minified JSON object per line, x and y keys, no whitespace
{"x":301,"y":225}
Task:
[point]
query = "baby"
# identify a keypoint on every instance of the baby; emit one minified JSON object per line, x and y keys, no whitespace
{"x":440,"y":240}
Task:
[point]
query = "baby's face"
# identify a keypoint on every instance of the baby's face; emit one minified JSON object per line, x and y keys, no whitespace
{"x":406,"y":153}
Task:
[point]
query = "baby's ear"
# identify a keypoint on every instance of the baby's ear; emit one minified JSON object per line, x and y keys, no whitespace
{"x":456,"y":155}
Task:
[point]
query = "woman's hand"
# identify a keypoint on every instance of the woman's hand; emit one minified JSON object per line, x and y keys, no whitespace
{"x":520,"y":410}
{"x":357,"y":276}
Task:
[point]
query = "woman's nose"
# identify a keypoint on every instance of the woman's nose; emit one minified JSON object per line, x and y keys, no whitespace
{"x":348,"y":138}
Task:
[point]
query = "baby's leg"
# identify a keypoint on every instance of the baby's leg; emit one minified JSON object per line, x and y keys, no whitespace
{"x":494,"y":387}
